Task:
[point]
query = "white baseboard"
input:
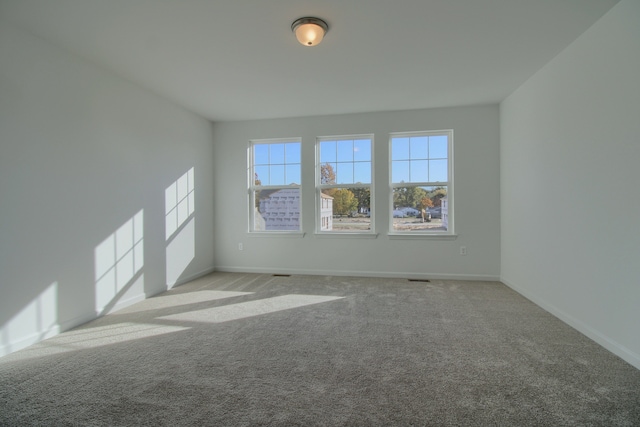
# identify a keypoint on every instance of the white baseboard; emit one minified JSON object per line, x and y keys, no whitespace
{"x":26,"y":341}
{"x":31,"y":339}
{"x":34,"y":338}
{"x":357,"y":273}
{"x":77,"y":321}
{"x":120,"y":305}
{"x":613,"y":346}
{"x":194,"y":276}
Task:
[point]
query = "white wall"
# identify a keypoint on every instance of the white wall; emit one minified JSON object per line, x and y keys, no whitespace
{"x":570,"y":211}
{"x":85,"y":158}
{"x":476,"y":133}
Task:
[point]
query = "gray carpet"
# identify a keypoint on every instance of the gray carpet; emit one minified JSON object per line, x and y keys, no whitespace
{"x":249,"y":349}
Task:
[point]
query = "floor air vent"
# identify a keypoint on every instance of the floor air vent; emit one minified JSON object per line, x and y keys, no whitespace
{"x":281,"y":275}
{"x":420,"y":280}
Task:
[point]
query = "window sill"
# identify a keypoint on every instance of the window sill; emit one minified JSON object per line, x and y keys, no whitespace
{"x":288,"y":234}
{"x":343,"y":235}
{"x":409,"y":235}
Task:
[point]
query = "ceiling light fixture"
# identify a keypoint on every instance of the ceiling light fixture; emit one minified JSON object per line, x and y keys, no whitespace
{"x":309,"y":31}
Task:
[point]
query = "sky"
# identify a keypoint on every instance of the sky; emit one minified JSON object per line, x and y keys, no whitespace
{"x":413,"y":159}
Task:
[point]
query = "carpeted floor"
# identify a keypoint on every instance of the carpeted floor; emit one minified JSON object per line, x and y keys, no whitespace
{"x":248,"y":349}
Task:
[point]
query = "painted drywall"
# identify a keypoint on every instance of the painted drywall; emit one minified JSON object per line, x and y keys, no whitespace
{"x":570,"y":212}
{"x":86,"y":161}
{"x":476,"y":165}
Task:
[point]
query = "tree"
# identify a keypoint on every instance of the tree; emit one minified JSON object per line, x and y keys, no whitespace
{"x":363,"y":196}
{"x":257,"y":182}
{"x":328,"y":176}
{"x":408,"y":196}
{"x":344,"y":202}
{"x":426,"y":203}
{"x":437,"y":194}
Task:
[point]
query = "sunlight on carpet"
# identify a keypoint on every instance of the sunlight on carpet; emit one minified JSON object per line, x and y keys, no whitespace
{"x":249,"y":308}
{"x":178,"y":299}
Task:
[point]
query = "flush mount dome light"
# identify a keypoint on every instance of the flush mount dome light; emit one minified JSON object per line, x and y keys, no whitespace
{"x":309,"y":31}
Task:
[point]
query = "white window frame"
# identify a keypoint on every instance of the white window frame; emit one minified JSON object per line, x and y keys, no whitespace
{"x":319,"y":187}
{"x":253,"y":188}
{"x":450,"y":232}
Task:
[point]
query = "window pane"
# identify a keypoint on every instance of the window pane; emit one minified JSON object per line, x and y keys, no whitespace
{"x":277,"y":154}
{"x":345,"y":210}
{"x":292,"y":174}
{"x":261,"y":154}
{"x":345,"y":151}
{"x":344,"y":173}
{"x":419,"y":171}
{"x":276,"y":175}
{"x":262,"y":175}
{"x":400,"y":171}
{"x":344,"y":161}
{"x":292,"y":153}
{"x":362,"y":150}
{"x":275,"y":164}
{"x":277,"y":210}
{"x":362,"y":173}
{"x":438,"y":147}
{"x":327,"y":152}
{"x":400,"y":149}
{"x":438,"y":171}
{"x":420,"y":208}
{"x":419,"y":147}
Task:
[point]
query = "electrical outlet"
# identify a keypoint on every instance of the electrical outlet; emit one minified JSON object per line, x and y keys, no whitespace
{"x":463,"y":250}
{"x":240,"y":247}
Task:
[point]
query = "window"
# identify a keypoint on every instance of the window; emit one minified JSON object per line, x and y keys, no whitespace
{"x":344,"y":184}
{"x":421,"y":182}
{"x":274,"y":186}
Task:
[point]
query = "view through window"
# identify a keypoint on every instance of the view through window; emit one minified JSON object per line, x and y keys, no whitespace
{"x":421,"y":182}
{"x":274,"y":185}
{"x":344,"y":184}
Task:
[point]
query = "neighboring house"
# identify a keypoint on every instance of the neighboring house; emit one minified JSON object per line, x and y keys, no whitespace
{"x":445,"y":212}
{"x":326,"y":212}
{"x":279,"y":210}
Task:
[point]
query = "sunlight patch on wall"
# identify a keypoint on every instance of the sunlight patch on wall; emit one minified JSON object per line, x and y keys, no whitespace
{"x":36,"y":321}
{"x":249,"y":309}
{"x":179,"y":199}
{"x":180,"y":226}
{"x":118,"y":260}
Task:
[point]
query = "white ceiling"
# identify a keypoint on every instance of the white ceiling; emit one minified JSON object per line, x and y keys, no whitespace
{"x":238,"y":60}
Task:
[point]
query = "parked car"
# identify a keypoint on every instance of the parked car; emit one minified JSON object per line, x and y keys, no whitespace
{"x":436,"y":212}
{"x":398,"y":214}
{"x":410,"y":211}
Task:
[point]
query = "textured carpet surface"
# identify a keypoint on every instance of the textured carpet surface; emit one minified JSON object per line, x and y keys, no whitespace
{"x":248,"y":349}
